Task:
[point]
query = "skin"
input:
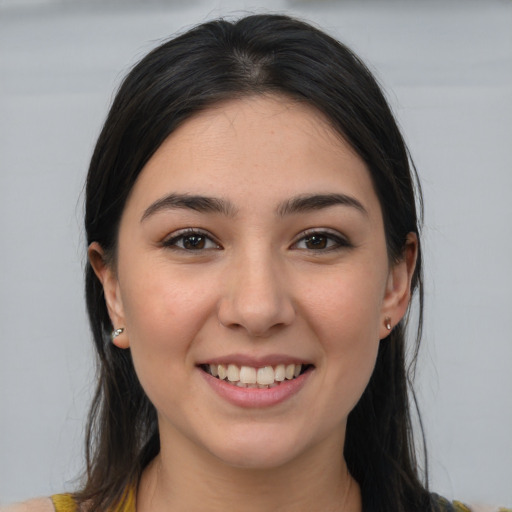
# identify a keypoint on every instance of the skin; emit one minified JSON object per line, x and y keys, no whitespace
{"x":256,"y":287}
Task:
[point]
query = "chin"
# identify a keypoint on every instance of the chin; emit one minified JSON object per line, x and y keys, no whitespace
{"x":257,"y":450}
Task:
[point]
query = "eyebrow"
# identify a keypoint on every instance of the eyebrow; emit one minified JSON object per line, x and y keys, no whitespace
{"x":203,"y":204}
{"x":197,"y":203}
{"x":309,"y":202}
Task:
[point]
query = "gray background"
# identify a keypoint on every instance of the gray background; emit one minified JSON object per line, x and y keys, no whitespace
{"x":447,"y":69}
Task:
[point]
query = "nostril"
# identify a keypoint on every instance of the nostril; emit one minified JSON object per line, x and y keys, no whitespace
{"x":255,"y":301}
{"x":257,"y":322}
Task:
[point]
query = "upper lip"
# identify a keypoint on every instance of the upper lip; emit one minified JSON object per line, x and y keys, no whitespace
{"x":255,"y":361}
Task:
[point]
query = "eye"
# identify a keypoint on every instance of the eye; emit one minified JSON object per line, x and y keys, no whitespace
{"x":191,"y":240}
{"x":321,"y":241}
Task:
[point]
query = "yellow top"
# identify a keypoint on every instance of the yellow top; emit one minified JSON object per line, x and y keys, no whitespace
{"x":66,"y":503}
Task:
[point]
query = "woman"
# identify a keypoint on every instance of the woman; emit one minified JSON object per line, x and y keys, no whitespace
{"x":253,"y":247}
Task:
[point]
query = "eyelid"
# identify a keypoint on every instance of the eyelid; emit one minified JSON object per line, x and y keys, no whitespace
{"x":341,"y":241}
{"x":170,"y":240}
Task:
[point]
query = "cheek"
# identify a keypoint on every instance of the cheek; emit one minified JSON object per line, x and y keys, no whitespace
{"x":157,"y":295}
{"x":345,"y":318}
{"x":163,"y":311}
{"x":345,"y":306}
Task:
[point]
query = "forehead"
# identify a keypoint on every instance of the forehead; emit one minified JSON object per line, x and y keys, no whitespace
{"x":260,"y":148}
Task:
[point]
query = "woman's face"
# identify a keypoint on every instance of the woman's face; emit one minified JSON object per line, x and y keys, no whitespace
{"x":253,"y":244}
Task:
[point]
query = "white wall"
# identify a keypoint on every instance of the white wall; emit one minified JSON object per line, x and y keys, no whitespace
{"x":447,"y":66}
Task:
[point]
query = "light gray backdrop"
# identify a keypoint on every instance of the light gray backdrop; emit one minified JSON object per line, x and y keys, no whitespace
{"x":447,"y":69}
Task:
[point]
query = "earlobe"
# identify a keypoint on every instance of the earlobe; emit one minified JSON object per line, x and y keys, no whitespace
{"x":398,"y":287}
{"x":108,"y":278}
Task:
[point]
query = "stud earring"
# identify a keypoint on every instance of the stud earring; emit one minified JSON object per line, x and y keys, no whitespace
{"x":116,"y":333}
{"x":387,"y":323}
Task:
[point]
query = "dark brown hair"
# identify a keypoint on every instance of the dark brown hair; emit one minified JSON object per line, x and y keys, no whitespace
{"x":222,"y":60}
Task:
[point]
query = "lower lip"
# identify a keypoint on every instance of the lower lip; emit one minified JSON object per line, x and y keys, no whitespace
{"x":256,"y":397}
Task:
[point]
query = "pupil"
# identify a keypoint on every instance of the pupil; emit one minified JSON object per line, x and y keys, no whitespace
{"x":316,"y":242}
{"x":194,"y":242}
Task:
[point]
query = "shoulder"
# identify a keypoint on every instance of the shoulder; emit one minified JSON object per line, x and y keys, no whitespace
{"x":34,"y":505}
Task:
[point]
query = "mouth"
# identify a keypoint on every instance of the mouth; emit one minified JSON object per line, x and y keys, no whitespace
{"x":265,"y":377}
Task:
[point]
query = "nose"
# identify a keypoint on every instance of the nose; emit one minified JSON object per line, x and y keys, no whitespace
{"x":255,"y":297}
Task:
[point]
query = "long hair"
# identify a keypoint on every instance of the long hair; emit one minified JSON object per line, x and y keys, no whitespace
{"x":216,"y":61}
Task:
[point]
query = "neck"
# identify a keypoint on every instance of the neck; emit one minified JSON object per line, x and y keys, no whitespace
{"x":177,"y":481}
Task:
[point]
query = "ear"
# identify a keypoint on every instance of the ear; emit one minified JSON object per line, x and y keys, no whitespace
{"x":398,"y":286}
{"x":108,"y":278}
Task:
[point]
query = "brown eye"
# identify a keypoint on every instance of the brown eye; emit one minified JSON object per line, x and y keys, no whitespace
{"x":194,"y":242}
{"x":315,"y":242}
{"x":191,"y":241}
{"x":322,"y":242}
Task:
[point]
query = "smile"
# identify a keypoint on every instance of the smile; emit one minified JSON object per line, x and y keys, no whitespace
{"x":250,"y":377}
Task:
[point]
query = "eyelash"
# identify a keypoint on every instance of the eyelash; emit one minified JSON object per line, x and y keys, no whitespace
{"x":172,"y":243}
{"x":337,"y":241}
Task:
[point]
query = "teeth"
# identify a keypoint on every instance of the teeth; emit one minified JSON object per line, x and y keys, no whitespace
{"x":289,"y":371}
{"x":249,"y":377}
{"x":265,"y":375}
{"x":279,"y":373}
{"x":233,"y":373}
